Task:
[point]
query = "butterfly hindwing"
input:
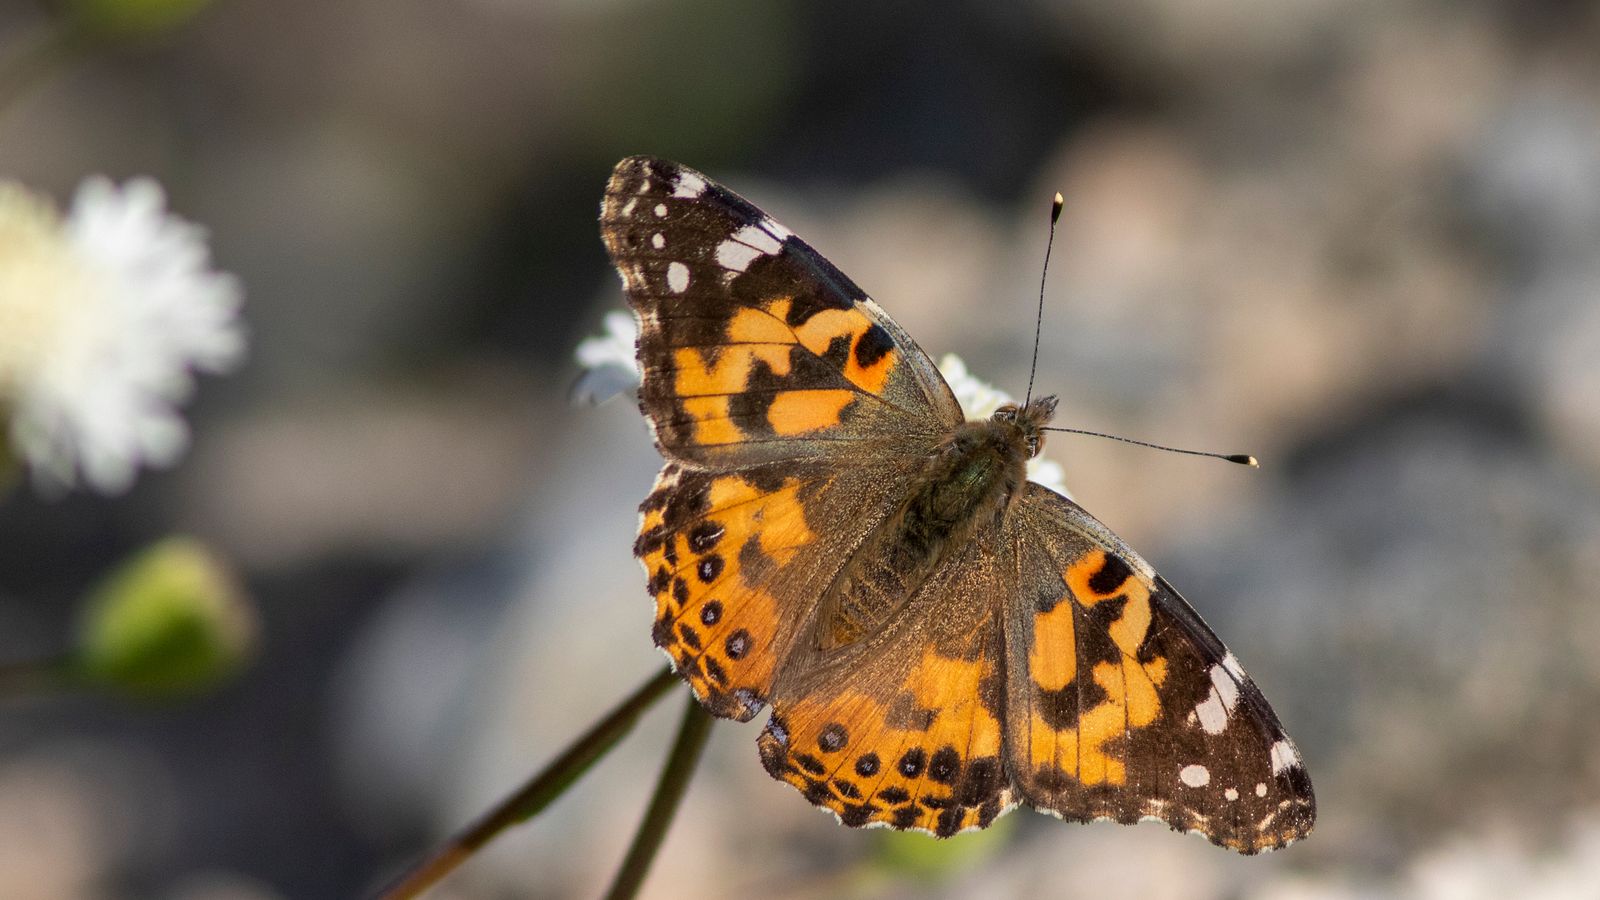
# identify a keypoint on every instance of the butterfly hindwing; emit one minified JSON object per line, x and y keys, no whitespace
{"x":1122,"y":703}
{"x":904,"y":730}
{"x":735,"y":561}
{"x":753,"y":347}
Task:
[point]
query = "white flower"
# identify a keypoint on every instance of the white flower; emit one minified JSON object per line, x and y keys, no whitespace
{"x":613,"y":352}
{"x":103,"y":319}
{"x":615,"y":347}
{"x":609,"y":363}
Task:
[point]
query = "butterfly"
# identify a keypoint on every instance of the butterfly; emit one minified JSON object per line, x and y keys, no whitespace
{"x":938,"y":638}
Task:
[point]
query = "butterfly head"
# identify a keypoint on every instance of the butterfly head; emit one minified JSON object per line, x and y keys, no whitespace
{"x":1028,"y":421}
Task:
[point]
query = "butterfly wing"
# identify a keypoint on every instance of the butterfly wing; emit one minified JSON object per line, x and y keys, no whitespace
{"x":753,"y":347}
{"x":786,"y":403}
{"x":904,"y":728}
{"x":736,"y":560}
{"x":1122,"y":704}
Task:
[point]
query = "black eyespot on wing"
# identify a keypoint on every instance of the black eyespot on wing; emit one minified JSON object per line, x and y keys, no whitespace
{"x":833,"y":738}
{"x":867,"y":765}
{"x":709,"y":568}
{"x":945,"y":765}
{"x":711,"y":612}
{"x":912,"y":762}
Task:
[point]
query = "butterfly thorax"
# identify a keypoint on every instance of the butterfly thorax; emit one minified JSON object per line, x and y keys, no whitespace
{"x":971,"y":478}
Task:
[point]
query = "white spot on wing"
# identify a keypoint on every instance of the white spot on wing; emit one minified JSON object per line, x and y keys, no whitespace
{"x":1227,"y":689}
{"x":1261,"y":789}
{"x":734,"y":256}
{"x":627,"y":208}
{"x":657,"y":240}
{"x":661,"y":210}
{"x":749,"y":242}
{"x":1213,"y":717}
{"x":1195,"y":775}
{"x":1283,"y":757}
{"x":759,"y":239}
{"x":1231,"y":663}
{"x":1230,"y":794}
{"x":678,"y":277}
{"x":688,"y":184}
{"x":1214,"y":710}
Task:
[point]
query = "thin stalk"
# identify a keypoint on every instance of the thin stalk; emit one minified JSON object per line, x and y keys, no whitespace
{"x":10,"y":466}
{"x":692,"y":733}
{"x":535,"y":795}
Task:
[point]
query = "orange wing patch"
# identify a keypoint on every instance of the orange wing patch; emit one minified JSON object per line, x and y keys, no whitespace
{"x":926,"y":755}
{"x":1090,"y":686}
{"x":710,"y":546}
{"x":797,"y":412}
{"x":755,"y":358}
{"x":871,"y":353}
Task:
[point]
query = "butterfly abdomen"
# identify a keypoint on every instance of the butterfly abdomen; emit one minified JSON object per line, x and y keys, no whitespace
{"x":967,"y":481}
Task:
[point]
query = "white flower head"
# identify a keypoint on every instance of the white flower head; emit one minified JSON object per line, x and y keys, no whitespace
{"x":610,"y":363}
{"x":613,"y":348}
{"x":104,"y":318}
{"x":612,"y":353}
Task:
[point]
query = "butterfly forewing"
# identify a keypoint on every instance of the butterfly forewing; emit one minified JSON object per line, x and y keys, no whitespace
{"x":754,"y":347}
{"x":777,"y":391}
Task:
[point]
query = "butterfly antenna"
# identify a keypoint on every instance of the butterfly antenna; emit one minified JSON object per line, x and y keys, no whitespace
{"x":1243,"y":459}
{"x":1038,"y":322}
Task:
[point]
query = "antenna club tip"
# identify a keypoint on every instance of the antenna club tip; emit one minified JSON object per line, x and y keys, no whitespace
{"x":1244,"y":459}
{"x":1055,"y":207}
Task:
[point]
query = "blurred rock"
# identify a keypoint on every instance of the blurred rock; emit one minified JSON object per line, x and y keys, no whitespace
{"x":369,"y":470}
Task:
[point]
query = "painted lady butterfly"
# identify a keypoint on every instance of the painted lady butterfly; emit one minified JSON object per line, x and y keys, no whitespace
{"x":938,"y":638}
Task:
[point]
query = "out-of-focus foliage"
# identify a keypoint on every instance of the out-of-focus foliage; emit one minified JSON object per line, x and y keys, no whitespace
{"x":132,"y":18}
{"x":920,"y":856}
{"x":171,"y":621}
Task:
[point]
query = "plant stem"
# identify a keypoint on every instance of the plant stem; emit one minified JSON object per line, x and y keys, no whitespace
{"x":10,"y":466}
{"x":536,"y":794}
{"x":692,"y":733}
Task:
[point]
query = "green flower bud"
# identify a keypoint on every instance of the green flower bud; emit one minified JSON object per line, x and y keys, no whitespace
{"x":132,"y":18}
{"x":169,"y":622}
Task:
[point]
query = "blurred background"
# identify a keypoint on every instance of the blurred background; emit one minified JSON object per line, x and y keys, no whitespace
{"x":1356,"y":239}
